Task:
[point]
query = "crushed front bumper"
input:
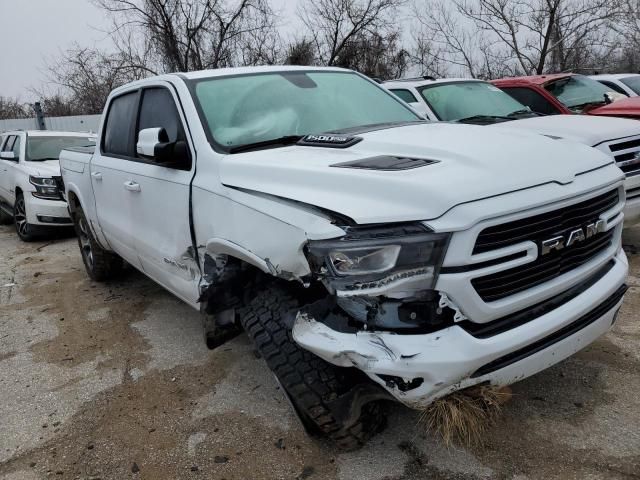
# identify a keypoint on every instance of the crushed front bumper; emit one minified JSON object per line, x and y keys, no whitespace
{"x":417,"y":369}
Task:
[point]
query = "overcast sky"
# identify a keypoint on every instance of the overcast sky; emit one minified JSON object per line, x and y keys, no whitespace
{"x":36,"y":31}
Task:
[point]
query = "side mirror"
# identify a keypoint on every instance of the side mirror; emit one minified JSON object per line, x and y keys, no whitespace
{"x":154,"y":144}
{"x":8,"y":156}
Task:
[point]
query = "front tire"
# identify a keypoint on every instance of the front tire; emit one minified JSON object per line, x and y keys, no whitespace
{"x":309,"y":381}
{"x":26,"y":231}
{"x":100,"y":264}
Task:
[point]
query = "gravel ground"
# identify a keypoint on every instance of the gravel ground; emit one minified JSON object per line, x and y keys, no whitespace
{"x":113,"y":381}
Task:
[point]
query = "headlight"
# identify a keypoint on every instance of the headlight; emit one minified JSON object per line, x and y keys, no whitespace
{"x":369,"y":254}
{"x":46,"y":187}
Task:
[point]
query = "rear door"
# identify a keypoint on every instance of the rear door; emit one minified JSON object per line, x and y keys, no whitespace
{"x":160,"y":206}
{"x":111,"y":171}
{"x":6,"y":142}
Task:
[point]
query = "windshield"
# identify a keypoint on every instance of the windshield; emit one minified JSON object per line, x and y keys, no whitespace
{"x":578,"y":91}
{"x":246,"y":109}
{"x":462,"y":100}
{"x":633,"y":83}
{"x":49,"y":147}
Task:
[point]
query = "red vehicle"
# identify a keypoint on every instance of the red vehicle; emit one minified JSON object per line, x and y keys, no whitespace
{"x":568,"y":93}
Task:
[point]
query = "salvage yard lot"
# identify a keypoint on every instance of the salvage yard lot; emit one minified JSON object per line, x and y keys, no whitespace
{"x":113,"y":381}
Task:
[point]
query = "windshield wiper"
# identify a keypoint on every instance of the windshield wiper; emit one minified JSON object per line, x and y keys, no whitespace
{"x":480,"y":118}
{"x":524,"y":111}
{"x":43,"y":159}
{"x":280,"y":141}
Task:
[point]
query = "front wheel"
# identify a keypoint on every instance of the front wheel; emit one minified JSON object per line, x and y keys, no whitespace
{"x":25,"y":230}
{"x":100,"y":264}
{"x":310,"y":382}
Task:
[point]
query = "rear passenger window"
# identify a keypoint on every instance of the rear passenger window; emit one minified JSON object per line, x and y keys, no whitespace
{"x":16,"y":147}
{"x":159,"y":110}
{"x":532,"y":99}
{"x":405,"y":95}
{"x":9,"y":145}
{"x":120,"y":120}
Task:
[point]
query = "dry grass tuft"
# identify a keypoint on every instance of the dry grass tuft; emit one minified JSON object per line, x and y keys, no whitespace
{"x":464,"y":416}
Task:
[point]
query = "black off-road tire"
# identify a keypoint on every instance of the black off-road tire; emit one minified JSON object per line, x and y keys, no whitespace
{"x":26,"y":231}
{"x":309,"y":381}
{"x":101,"y":265}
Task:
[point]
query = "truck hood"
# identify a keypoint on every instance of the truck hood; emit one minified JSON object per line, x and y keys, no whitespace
{"x":470,"y":163}
{"x":627,"y":107}
{"x":586,"y":129}
{"x":46,"y":168}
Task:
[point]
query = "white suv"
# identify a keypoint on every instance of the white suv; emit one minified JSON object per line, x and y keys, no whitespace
{"x":477,"y":102}
{"x":29,"y":176}
{"x":626,"y":83}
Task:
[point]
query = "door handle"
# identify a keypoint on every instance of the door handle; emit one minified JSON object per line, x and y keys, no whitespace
{"x":97,"y":175}
{"x":132,"y":186}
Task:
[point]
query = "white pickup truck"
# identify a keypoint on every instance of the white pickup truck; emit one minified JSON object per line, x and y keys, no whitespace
{"x":369,"y":254}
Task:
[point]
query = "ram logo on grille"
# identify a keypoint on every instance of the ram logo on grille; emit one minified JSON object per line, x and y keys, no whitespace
{"x":571,"y":237}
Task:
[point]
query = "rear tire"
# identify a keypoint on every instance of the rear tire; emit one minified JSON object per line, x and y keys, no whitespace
{"x":101,"y":265}
{"x":26,"y":231}
{"x":309,"y":381}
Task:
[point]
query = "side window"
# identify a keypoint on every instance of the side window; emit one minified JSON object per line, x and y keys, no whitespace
{"x":118,"y":127}
{"x":9,"y":145}
{"x":16,"y":147}
{"x":159,"y":110}
{"x":405,"y":95}
{"x":614,"y":87}
{"x":532,"y":99}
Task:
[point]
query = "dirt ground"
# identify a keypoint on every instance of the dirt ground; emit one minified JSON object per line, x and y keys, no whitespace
{"x":113,"y":381}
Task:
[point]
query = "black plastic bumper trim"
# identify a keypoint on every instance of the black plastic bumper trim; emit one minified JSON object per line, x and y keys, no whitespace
{"x":555,"y":337}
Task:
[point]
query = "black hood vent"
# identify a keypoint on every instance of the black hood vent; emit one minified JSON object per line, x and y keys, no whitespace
{"x":387,"y":163}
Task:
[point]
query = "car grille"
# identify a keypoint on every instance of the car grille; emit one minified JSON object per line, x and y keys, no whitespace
{"x":538,"y":228}
{"x":627,"y":156}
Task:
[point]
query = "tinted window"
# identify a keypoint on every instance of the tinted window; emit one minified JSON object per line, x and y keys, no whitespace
{"x":633,"y":83}
{"x":159,"y":110}
{"x":16,"y":147}
{"x":9,"y":145}
{"x":614,"y":87}
{"x":532,"y":99}
{"x":120,"y":119}
{"x":405,"y":95}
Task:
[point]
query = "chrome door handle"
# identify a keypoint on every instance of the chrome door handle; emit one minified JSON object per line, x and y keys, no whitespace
{"x":97,"y":175}
{"x":132,"y":186}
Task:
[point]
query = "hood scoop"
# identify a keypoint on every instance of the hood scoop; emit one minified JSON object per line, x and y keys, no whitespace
{"x":387,"y":163}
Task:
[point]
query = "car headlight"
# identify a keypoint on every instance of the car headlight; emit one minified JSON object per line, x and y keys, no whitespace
{"x":369,"y":254}
{"x":46,"y":187}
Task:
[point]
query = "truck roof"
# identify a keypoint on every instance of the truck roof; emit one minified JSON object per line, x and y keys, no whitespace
{"x":48,"y":133}
{"x":419,"y":82}
{"x":532,"y":79}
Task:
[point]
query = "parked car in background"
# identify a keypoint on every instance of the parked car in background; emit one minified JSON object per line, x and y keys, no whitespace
{"x":625,"y":83}
{"x":370,"y":255}
{"x":481,"y":103}
{"x":567,"y":93}
{"x":29,"y":179}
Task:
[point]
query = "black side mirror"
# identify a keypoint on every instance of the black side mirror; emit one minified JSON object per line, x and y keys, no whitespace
{"x":154,"y":144}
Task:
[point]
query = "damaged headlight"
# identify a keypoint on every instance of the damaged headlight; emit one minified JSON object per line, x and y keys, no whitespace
{"x":46,"y":188}
{"x":370,"y":254}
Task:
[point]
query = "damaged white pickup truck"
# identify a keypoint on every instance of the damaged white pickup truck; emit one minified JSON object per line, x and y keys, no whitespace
{"x":369,"y":254}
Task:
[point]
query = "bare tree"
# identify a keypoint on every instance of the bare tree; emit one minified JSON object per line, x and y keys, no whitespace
{"x":518,"y":36}
{"x":183,"y":35}
{"x":301,"y":52}
{"x":335,"y":26}
{"x":13,"y":108}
